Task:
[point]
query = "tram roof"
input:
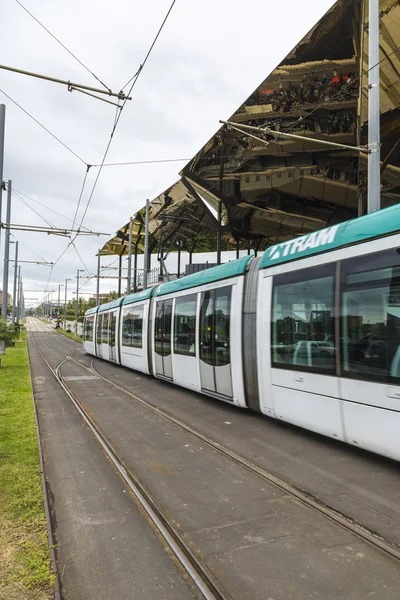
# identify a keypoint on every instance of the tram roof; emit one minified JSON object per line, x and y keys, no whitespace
{"x":110,"y":305}
{"x":374,"y":225}
{"x":225,"y":271}
{"x":138,"y":297}
{"x":91,"y":311}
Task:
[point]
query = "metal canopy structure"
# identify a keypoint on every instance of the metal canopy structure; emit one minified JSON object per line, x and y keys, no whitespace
{"x":255,"y":193}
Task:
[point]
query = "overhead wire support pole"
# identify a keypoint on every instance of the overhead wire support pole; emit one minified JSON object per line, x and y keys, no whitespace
{"x":19,"y":295}
{"x":146,"y":245}
{"x":374,"y":156}
{"x":98,"y":280}
{"x":14,"y":307}
{"x":129,"y":278}
{"x":120,"y":95}
{"x":6,"y":255}
{"x":2,"y":130}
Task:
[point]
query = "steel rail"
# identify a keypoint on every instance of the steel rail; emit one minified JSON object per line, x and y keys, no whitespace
{"x":309,"y":500}
{"x":203,"y":582}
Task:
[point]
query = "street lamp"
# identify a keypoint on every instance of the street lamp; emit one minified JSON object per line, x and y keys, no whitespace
{"x":65,"y":304}
{"x":77,"y":299}
{"x":60,"y":285}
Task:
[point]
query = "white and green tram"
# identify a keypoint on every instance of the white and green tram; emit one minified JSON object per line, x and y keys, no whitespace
{"x":308,"y":333}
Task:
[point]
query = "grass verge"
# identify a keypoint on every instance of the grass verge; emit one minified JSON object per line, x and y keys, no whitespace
{"x":71,"y":335}
{"x":25,"y":571}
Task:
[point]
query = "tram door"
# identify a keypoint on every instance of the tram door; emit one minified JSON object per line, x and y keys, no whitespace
{"x":99,"y":335}
{"x":215,"y":355}
{"x":162,"y":338}
{"x":112,"y":336}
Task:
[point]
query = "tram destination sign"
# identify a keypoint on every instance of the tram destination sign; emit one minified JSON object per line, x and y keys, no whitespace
{"x":378,"y":224}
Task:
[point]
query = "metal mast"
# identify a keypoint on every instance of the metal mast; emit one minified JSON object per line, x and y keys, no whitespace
{"x":374,"y":156}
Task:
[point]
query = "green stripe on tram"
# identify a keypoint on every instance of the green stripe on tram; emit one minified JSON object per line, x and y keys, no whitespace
{"x":378,"y":224}
{"x":231,"y":269}
{"x":110,"y":305}
{"x":139,"y":296}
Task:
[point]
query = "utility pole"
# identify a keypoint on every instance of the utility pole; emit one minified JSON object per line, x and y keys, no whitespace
{"x":2,"y":129}
{"x":77,"y":299}
{"x":146,"y":246}
{"x":128,"y":283}
{"x":19,"y":295}
{"x":374,"y":139}
{"x":98,"y":280}
{"x":65,"y":304}
{"x":6,"y":254}
{"x":60,"y":285}
{"x":14,"y":308}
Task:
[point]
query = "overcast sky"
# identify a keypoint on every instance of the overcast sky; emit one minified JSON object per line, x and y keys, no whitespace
{"x":208,"y":59}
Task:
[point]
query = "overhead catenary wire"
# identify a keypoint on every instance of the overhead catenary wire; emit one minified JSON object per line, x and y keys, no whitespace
{"x":136,"y":76}
{"x":16,"y":195}
{"x":76,"y":234}
{"x":144,"y":162}
{"x":116,"y":121}
{"x":80,"y":258}
{"x":45,"y":206}
{"x":135,"y":79}
{"x":28,"y":248}
{"x":80,"y":198}
{"x":101,"y":271}
{"x":63,"y":46}
{"x":45,"y":128}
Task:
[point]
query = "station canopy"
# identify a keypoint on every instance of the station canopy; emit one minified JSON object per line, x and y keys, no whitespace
{"x":257,"y":191}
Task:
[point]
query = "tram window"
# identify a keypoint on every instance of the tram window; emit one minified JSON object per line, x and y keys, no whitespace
{"x":371,"y":317}
{"x":206,"y":328}
{"x":162,"y":328}
{"x":88,"y":329}
{"x":113,"y":323}
{"x":99,"y":329}
{"x":132,"y":326}
{"x":215,"y":327}
{"x":185,"y":325}
{"x":222,"y":326}
{"x":105,"y":329}
{"x":303,"y":320}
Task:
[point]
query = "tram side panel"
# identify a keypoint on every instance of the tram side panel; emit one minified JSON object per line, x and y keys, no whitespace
{"x":296,"y":362}
{"x":134,"y":336}
{"x":89,"y":330}
{"x":106,"y":347}
{"x":329,"y":344}
{"x":197,"y":339}
{"x":370,"y":346}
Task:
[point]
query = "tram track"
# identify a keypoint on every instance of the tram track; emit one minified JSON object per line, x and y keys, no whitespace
{"x":305,"y":498}
{"x":202,"y":581}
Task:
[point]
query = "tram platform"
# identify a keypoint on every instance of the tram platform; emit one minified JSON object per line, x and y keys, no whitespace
{"x":256,"y":540}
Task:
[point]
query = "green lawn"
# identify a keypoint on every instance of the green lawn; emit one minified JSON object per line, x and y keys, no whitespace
{"x":77,"y":338}
{"x":25,"y":572}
